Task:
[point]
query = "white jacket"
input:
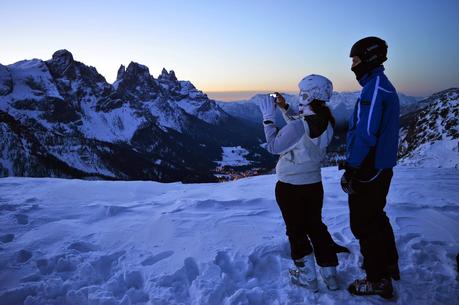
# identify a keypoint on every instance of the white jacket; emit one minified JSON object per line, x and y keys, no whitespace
{"x":300,"y":155}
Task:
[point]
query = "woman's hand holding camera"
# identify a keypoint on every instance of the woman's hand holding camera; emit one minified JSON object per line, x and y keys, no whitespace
{"x":280,"y":100}
{"x":268,"y":108}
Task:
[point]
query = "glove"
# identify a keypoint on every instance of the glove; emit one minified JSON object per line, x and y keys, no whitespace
{"x":268,"y":108}
{"x":349,"y":179}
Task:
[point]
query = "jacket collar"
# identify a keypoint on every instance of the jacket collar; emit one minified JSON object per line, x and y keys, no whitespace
{"x":370,"y":75}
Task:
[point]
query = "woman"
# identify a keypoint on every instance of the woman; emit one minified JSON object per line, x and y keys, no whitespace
{"x":301,"y":145}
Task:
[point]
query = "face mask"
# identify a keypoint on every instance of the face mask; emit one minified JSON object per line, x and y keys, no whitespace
{"x":363,"y":68}
{"x":360,"y":70}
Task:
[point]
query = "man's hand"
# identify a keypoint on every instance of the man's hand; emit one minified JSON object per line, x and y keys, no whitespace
{"x":349,"y":179}
{"x":268,"y":108}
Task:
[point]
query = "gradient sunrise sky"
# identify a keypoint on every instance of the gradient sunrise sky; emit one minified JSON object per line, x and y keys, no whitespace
{"x":236,"y":45}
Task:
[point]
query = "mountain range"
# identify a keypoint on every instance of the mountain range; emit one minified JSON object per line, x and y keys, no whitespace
{"x":61,"y":118}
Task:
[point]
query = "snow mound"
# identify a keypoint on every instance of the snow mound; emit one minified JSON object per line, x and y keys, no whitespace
{"x":441,"y":154}
{"x":101,"y":242}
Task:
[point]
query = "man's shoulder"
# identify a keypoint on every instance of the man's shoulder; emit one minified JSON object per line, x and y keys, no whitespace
{"x":369,"y":89}
{"x":379,"y":84}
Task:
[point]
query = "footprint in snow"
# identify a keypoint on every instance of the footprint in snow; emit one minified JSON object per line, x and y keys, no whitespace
{"x":82,"y":246}
{"x":23,"y":256}
{"x":8,"y":207}
{"x":31,"y":200}
{"x":6,"y":238}
{"x":156,"y":258}
{"x":22,"y":219}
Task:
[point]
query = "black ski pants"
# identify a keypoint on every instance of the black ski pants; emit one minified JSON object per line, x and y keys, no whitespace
{"x":301,"y":207}
{"x":370,"y":225}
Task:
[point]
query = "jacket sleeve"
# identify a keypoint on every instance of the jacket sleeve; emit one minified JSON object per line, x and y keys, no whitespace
{"x":288,"y":113}
{"x":281,"y":141}
{"x":369,"y":113}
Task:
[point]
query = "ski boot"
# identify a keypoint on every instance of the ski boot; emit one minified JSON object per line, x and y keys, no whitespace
{"x":329,"y":276}
{"x":304,"y":273}
{"x":364,"y":287}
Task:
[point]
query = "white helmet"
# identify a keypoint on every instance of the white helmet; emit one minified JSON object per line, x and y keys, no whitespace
{"x":315,"y":87}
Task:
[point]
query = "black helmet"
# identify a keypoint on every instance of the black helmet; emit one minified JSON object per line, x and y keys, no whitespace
{"x":372,"y":51}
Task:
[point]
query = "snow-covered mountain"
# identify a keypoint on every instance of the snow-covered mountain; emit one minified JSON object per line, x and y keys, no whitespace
{"x":430,"y":136}
{"x":139,"y":127}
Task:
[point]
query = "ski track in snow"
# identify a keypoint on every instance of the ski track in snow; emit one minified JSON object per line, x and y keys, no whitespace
{"x":99,"y":242}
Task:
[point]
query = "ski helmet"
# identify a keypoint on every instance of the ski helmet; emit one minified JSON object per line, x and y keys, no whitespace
{"x":372,"y":51}
{"x":315,"y":87}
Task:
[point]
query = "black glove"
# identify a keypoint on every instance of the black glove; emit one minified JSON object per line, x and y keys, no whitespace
{"x":349,"y":179}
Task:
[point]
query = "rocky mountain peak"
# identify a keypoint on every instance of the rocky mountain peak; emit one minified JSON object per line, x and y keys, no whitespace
{"x":121,"y":71}
{"x":136,"y":81}
{"x":137,"y":69}
{"x":62,"y":57}
{"x":167,"y":76}
{"x":60,"y":62}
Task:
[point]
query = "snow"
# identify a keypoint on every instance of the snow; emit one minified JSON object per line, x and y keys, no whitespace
{"x":443,"y":153}
{"x":435,"y":138}
{"x":35,"y":71}
{"x":100,"y":242}
{"x":81,"y":158}
{"x":186,"y":87}
{"x":233,"y":156}
{"x":194,"y":107}
{"x":116,"y":125}
{"x":168,"y":115}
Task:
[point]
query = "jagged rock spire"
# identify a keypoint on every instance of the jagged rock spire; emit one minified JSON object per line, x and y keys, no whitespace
{"x":121,"y":72}
{"x":167,"y":76}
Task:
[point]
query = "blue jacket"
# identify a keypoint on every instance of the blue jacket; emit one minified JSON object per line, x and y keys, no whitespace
{"x":374,"y":124}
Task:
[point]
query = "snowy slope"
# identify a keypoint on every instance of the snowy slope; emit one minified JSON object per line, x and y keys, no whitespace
{"x":430,"y":136}
{"x":233,"y":156}
{"x":98,"y":242}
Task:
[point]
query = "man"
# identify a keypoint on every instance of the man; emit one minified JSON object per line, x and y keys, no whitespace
{"x":372,"y":143}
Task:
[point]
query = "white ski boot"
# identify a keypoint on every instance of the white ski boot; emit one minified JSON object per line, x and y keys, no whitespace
{"x":329,"y":276}
{"x":304,"y":273}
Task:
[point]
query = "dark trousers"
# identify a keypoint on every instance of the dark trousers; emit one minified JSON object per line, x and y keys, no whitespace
{"x":301,"y":207}
{"x":371,"y":226}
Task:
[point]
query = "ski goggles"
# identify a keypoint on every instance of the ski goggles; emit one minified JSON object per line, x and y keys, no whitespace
{"x":304,"y":98}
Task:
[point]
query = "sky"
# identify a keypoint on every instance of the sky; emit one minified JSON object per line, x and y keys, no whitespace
{"x":239,"y":46}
